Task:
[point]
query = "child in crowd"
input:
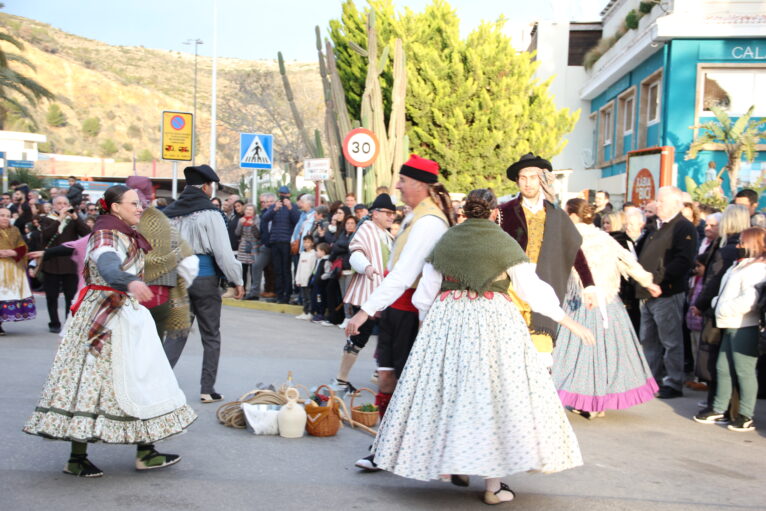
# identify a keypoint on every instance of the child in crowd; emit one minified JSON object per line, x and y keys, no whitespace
{"x":322,"y":272}
{"x":306,"y":265}
{"x":694,"y":324}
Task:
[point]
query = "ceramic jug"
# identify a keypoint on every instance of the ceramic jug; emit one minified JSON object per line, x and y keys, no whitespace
{"x":292,"y":416}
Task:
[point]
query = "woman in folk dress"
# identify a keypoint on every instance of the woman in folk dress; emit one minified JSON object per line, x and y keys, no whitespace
{"x":16,"y":300}
{"x":614,"y":373}
{"x":111,"y":381}
{"x":474,"y":397}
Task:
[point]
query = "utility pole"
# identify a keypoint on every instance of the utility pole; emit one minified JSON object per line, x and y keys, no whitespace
{"x":213,"y":134}
{"x":196,"y":43}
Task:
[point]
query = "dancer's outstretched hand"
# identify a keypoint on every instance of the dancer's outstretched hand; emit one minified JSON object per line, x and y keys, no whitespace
{"x":585,"y":335}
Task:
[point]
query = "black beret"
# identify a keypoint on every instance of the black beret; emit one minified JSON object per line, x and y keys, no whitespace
{"x":383,"y":201}
{"x":200,"y":174}
{"x":528,"y":160}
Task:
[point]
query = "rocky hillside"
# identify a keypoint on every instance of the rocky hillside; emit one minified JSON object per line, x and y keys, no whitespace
{"x":110,"y":98}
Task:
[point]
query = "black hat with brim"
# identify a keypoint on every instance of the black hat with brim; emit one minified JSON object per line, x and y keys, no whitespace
{"x":528,"y":160}
{"x":383,"y":201}
{"x":200,"y":174}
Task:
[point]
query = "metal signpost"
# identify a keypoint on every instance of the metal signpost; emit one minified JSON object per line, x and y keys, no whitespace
{"x":360,"y":147}
{"x":177,"y":140}
{"x":317,"y":170}
{"x":256,"y":151}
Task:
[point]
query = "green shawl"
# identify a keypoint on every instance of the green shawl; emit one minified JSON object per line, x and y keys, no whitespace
{"x":475,"y":253}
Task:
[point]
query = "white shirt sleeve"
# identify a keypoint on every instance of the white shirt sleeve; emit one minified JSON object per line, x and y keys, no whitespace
{"x":427,"y":291}
{"x":358,"y":261}
{"x":421,"y":241}
{"x":538,"y":294}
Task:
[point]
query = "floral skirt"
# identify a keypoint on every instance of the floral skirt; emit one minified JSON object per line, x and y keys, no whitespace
{"x":474,"y":398}
{"x":613,"y":374}
{"x":78,"y":402}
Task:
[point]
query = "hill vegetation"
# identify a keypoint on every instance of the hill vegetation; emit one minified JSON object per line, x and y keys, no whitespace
{"x":109,"y":99}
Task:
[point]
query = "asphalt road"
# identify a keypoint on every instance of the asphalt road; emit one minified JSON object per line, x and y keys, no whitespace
{"x":650,"y":457}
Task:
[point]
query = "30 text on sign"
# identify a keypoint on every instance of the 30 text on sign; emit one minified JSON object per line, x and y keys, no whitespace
{"x":361,"y":147}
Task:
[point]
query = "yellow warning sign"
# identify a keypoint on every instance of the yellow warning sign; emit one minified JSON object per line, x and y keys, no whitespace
{"x":177,"y":136}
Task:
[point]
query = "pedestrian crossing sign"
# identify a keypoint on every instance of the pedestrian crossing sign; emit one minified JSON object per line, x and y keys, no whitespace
{"x":256,"y":151}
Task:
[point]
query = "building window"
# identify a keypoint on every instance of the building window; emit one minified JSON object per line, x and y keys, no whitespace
{"x":653,"y":105}
{"x":649,"y":103}
{"x":734,"y":90}
{"x":605,"y":130}
{"x":627,"y":116}
{"x":606,"y":118}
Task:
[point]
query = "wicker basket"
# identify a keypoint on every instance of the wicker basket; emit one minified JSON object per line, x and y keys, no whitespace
{"x":369,"y":419}
{"x":323,"y":420}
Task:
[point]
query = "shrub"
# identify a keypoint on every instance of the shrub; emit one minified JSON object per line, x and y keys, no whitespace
{"x":646,"y":7}
{"x":127,"y":146}
{"x":110,"y":115}
{"x":108,"y":148}
{"x":631,"y":19}
{"x":55,"y":116}
{"x":134,"y":131}
{"x":91,"y":126}
{"x":145,"y":155}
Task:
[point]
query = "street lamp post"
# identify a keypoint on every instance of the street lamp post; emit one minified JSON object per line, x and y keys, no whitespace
{"x":196,"y":43}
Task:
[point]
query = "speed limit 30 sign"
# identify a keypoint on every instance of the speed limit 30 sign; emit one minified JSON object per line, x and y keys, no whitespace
{"x":361,"y":147}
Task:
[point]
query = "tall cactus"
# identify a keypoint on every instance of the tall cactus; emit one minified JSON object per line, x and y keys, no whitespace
{"x":385,"y":170}
{"x":294,"y":108}
{"x":393,"y":140}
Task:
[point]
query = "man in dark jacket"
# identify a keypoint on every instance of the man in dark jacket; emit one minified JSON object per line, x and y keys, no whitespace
{"x":668,"y":253}
{"x":283,"y":216}
{"x":59,"y":271}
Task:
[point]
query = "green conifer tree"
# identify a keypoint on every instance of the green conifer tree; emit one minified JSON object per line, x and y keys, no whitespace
{"x":472,"y":105}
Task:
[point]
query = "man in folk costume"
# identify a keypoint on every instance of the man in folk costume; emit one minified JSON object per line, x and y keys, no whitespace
{"x":548,"y":237}
{"x":431,"y":216}
{"x":200,"y":223}
{"x":370,"y":252}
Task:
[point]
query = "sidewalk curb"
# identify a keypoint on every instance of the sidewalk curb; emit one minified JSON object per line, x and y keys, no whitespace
{"x":281,"y":308}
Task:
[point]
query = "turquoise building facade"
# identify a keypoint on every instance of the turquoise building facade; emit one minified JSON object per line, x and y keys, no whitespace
{"x":657,"y":101}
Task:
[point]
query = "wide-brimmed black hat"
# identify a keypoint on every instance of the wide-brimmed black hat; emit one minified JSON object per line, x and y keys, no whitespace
{"x":528,"y":160}
{"x":200,"y":174}
{"x":383,"y":201}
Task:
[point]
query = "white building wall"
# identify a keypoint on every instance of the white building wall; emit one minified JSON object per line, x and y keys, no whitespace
{"x":615,"y":16}
{"x":552,"y":55}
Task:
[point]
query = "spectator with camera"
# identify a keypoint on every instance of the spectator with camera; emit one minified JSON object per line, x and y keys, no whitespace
{"x":59,"y":271}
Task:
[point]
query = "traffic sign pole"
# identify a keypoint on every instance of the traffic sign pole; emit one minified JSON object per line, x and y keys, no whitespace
{"x":254,"y":200}
{"x":359,"y":177}
{"x":175,"y":179}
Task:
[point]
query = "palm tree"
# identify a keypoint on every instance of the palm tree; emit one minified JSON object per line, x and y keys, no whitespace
{"x":14,"y":85}
{"x":738,"y":138}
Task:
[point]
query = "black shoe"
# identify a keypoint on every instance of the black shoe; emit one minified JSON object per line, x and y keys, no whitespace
{"x":54,"y":329}
{"x":256,"y":298}
{"x":79,"y":465}
{"x":669,"y":392}
{"x":2,"y":332}
{"x":283,"y":302}
{"x":742,"y":423}
{"x":708,"y":416}
{"x":368,"y":464}
{"x":150,"y":459}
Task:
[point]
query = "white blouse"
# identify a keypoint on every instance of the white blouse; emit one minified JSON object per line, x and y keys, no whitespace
{"x":530,"y":288}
